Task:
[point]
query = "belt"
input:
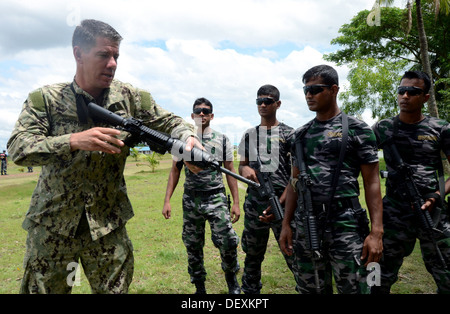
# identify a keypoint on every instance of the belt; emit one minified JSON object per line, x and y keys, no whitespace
{"x":340,"y":203}
{"x":196,"y":193}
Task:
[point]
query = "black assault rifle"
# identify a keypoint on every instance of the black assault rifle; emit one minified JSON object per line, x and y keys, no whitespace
{"x":266,"y":190}
{"x":305,"y":205}
{"x":403,"y":176}
{"x":161,"y":142}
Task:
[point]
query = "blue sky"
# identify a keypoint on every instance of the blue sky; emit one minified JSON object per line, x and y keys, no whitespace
{"x":179,"y":51}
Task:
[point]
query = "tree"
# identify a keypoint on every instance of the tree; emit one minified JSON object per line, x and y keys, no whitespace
{"x":389,"y":42}
{"x":373,"y":85}
{"x":424,"y":51}
{"x":151,"y":159}
{"x":432,"y":107}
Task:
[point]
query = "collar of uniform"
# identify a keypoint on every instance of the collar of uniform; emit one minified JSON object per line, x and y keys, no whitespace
{"x":81,"y":91}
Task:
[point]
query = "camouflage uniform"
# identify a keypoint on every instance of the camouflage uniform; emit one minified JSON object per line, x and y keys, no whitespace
{"x":419,"y":146}
{"x":274,"y":143}
{"x":343,"y":225}
{"x":204,"y":200}
{"x":80,"y":204}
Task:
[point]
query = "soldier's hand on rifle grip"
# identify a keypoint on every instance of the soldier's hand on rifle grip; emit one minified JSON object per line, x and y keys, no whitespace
{"x":97,"y":139}
{"x":429,"y":204}
{"x":267,"y":215}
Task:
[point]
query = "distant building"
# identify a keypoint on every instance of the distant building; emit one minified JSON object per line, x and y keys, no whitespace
{"x":144,"y":150}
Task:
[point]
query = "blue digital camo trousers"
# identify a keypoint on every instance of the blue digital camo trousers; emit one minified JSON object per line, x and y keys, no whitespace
{"x":341,"y":248}
{"x":400,"y":234}
{"x":196,"y":211}
{"x":50,"y":258}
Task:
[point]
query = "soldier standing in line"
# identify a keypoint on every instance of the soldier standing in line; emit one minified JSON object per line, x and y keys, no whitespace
{"x":345,"y":244}
{"x":4,"y":162}
{"x":80,"y":206}
{"x":271,"y":138}
{"x":419,"y":141}
{"x":204,"y":199}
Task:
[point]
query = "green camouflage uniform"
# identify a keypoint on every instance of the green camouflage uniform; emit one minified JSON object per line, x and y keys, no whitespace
{"x":343,"y":225}
{"x":204,"y":199}
{"x":80,"y":204}
{"x":420,"y":147}
{"x":273,"y":148}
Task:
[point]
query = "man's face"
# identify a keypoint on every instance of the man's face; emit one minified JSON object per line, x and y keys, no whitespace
{"x":268,"y":106}
{"x":409,"y":102}
{"x":99,"y":64}
{"x":201,"y":116}
{"x":320,"y":97}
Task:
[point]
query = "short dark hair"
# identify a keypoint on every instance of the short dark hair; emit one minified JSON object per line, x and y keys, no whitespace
{"x":85,"y":34}
{"x":202,"y":100}
{"x":327,"y":73}
{"x":418,"y":75}
{"x":269,"y":90}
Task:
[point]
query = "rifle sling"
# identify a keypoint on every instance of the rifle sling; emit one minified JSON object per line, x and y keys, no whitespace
{"x":341,"y":155}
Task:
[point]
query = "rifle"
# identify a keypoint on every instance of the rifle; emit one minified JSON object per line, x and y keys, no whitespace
{"x":403,"y":175}
{"x":161,"y":142}
{"x":266,"y":190}
{"x":305,"y":204}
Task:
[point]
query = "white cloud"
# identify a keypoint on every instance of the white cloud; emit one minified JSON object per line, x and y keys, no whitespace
{"x":223,"y":51}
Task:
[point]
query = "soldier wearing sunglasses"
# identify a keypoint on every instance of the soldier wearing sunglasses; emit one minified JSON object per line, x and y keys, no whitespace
{"x":419,"y":141}
{"x":272,"y":145}
{"x":204,"y":199}
{"x":345,"y":244}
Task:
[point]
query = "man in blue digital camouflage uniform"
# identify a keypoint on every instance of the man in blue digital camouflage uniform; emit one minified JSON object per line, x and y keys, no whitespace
{"x":419,"y":141}
{"x":204,"y":199}
{"x":80,"y":206}
{"x":345,"y":244}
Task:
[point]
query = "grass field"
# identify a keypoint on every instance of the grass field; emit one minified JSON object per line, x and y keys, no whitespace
{"x":160,"y":256}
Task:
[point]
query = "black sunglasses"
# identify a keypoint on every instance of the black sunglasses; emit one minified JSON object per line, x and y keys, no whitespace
{"x":266,"y":100}
{"x":204,"y":110}
{"x":412,"y":90}
{"x":314,"y":89}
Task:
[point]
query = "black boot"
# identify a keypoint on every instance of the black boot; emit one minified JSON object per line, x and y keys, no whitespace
{"x":233,"y":285}
{"x":200,"y":286}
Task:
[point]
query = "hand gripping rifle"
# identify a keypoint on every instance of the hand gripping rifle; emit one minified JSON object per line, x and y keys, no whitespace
{"x":266,"y":190}
{"x":161,"y":142}
{"x":306,"y":206}
{"x":403,"y":175}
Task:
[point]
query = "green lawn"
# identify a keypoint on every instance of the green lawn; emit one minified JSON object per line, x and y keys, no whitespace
{"x":160,"y":256}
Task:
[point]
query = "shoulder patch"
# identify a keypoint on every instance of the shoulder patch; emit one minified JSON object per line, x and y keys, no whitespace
{"x":146,"y":101}
{"x":37,"y":99}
